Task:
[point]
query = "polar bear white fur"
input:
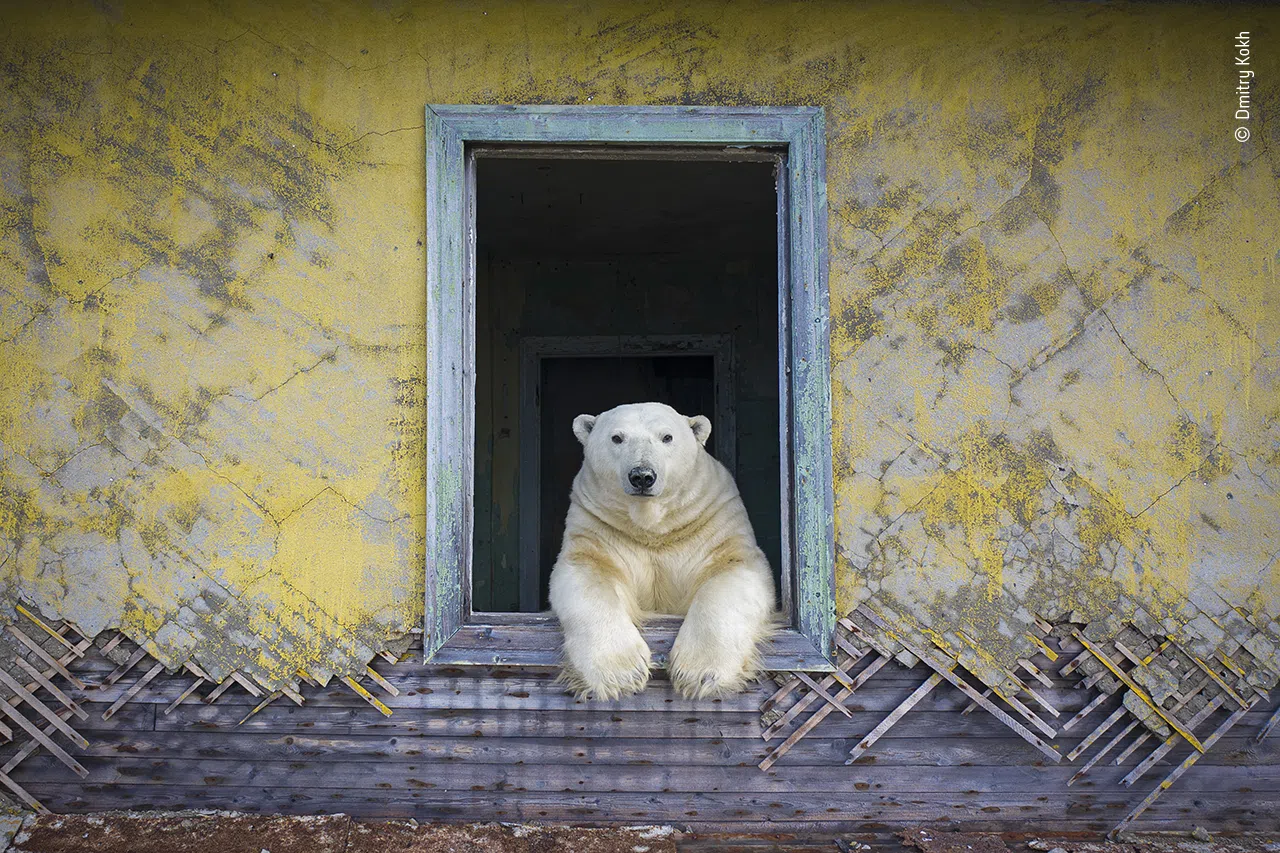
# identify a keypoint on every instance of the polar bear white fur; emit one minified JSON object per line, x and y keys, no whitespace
{"x":656,"y":526}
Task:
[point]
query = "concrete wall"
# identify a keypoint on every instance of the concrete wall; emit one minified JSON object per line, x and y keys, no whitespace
{"x":1053,"y":284}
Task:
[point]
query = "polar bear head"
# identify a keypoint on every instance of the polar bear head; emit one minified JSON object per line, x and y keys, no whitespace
{"x":645,"y":448}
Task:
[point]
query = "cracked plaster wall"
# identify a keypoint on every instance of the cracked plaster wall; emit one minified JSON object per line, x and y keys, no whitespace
{"x":1055,"y":328}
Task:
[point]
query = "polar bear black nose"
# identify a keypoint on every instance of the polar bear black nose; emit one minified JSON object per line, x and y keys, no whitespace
{"x":642,"y":477}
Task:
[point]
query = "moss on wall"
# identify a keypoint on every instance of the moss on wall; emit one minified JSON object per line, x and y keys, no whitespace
{"x":1053,"y":276}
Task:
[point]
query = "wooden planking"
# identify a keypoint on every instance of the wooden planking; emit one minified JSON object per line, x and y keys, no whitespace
{"x":717,"y":752}
{"x":1182,"y":768}
{"x":881,"y":694}
{"x":280,"y":717}
{"x":1027,"y":780}
{"x":934,"y":763}
{"x":698,"y":811}
{"x":538,"y":644}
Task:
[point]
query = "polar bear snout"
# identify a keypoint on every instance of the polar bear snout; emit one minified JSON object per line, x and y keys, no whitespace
{"x":642,"y":478}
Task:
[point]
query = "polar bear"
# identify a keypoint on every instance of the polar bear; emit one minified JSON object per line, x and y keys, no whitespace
{"x":656,"y":526}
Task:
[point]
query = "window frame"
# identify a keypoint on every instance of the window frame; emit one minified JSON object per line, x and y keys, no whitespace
{"x":452,"y":633}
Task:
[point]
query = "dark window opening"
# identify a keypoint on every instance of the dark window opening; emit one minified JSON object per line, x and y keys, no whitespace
{"x":604,"y":281}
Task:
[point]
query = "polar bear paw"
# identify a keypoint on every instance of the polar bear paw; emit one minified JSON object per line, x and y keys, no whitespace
{"x":700,"y":675}
{"x":606,"y":669}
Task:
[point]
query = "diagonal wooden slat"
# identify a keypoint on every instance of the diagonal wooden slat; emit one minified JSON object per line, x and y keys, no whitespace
{"x":46,"y":657}
{"x":120,"y":671}
{"x":823,"y":694}
{"x":54,"y":691}
{"x":39,"y":623}
{"x":1085,"y":711}
{"x":894,"y":716}
{"x":213,"y":694}
{"x":45,"y":741}
{"x":1074,"y":664}
{"x":821,"y":714}
{"x":1138,"y":691}
{"x":264,"y":703}
{"x":1044,"y":648}
{"x":381,"y":682}
{"x":780,"y":694}
{"x":252,"y":689}
{"x":182,"y":697}
{"x":1036,"y":673}
{"x":366,"y":695}
{"x":40,"y":708}
{"x":132,"y":691}
{"x":22,"y":793}
{"x":1177,"y":772}
{"x":1268,"y":727}
{"x":1102,"y":729}
{"x":1163,"y":749}
{"x":946,"y":670}
{"x":1100,"y":754}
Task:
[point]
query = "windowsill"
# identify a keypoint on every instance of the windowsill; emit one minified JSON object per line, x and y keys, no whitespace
{"x":533,"y":639}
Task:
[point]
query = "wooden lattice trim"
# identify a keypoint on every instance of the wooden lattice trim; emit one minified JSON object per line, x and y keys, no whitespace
{"x":946,"y":668}
{"x":55,"y":721}
{"x":1182,"y":768}
{"x":40,"y":708}
{"x":23,"y":694}
{"x":48,"y":659}
{"x":53,"y":689}
{"x":1198,"y":685}
{"x":897,"y":714}
{"x":1268,"y":727}
{"x":1163,"y":749}
{"x":821,"y":714}
{"x":1137,"y":690}
{"x":1102,"y":753}
{"x":133,"y":691}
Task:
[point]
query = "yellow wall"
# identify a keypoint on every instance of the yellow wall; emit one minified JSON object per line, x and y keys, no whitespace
{"x":1056,"y":317}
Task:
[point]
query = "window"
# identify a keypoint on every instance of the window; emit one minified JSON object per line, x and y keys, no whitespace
{"x":553,"y":232}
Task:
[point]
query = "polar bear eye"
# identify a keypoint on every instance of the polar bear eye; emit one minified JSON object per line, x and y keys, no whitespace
{"x":617,"y":438}
{"x":666,"y":439}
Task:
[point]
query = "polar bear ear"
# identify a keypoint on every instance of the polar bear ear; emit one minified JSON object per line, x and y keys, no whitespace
{"x":582,"y":426}
{"x":701,"y":428}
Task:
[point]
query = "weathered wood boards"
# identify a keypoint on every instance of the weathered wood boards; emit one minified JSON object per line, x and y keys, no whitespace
{"x":510,"y":745}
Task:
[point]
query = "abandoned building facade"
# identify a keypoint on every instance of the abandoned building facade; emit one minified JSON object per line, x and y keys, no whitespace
{"x":298,"y":302}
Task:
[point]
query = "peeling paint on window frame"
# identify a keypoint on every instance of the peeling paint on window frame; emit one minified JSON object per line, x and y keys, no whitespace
{"x":452,"y":632}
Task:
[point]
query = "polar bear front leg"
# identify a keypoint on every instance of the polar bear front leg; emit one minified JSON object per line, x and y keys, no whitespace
{"x":716,"y":650}
{"x":604,"y":655}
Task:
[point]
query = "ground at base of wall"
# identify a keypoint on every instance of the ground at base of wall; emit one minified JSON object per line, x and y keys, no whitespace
{"x":225,"y":832}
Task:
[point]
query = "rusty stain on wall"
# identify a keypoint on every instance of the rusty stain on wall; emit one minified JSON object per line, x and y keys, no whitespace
{"x":1053,"y":282}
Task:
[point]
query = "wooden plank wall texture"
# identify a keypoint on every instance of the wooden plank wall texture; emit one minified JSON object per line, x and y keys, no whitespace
{"x":476,"y":744}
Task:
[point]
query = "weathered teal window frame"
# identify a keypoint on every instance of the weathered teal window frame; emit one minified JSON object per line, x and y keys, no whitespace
{"x":452,"y":633}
